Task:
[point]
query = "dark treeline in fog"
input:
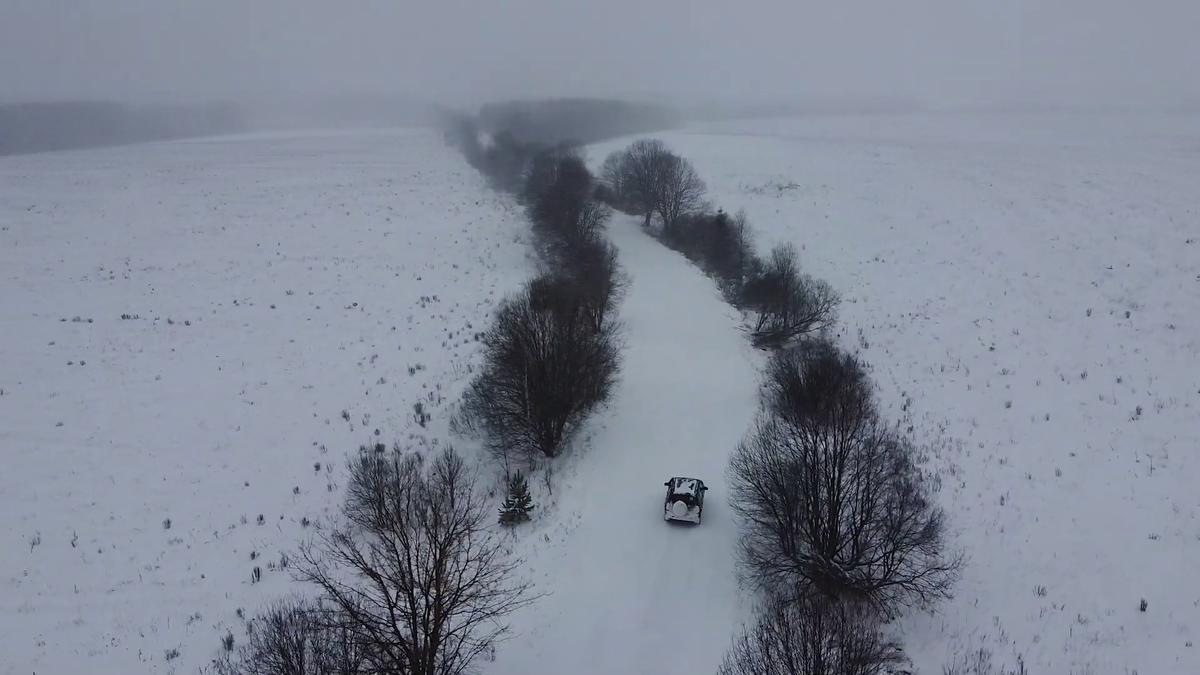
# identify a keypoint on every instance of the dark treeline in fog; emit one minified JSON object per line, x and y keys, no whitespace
{"x":573,"y":120}
{"x":38,"y":127}
{"x":503,"y":139}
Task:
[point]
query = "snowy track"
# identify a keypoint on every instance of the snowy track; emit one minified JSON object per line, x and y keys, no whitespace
{"x":628,"y":592}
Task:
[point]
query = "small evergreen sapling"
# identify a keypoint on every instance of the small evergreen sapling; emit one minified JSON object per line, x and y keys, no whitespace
{"x":518,"y":504}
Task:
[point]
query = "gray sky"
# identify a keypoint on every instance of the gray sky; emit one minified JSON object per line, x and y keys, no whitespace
{"x":1140,"y":52}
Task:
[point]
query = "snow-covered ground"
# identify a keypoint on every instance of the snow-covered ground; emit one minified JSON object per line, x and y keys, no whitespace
{"x":272,"y":282}
{"x":1030,"y":286}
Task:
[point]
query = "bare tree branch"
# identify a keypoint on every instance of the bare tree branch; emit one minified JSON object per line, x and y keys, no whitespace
{"x":810,"y":636}
{"x":831,"y":500}
{"x":414,"y":570}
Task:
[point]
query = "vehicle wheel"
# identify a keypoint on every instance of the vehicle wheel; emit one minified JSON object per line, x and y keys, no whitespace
{"x":679,"y":509}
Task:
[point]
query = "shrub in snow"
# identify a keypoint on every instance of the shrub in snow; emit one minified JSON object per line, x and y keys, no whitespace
{"x":979,"y":662}
{"x":413,"y":572}
{"x":788,"y":304}
{"x":831,"y":500}
{"x":518,"y":503}
{"x":597,"y":281}
{"x":420,"y":415}
{"x":810,"y":636}
{"x":546,"y":368}
{"x":719,"y":244}
{"x":557,"y":184}
{"x":298,"y":637}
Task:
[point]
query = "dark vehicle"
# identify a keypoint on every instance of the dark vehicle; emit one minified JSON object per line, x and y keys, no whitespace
{"x":685,"y":499}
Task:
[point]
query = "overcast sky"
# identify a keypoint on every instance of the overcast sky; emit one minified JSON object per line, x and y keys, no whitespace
{"x":1126,"y":52}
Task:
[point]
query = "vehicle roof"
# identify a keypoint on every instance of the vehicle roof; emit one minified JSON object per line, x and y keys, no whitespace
{"x":685,"y":485}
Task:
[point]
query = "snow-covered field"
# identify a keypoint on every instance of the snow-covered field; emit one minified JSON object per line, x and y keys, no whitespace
{"x":274,"y":283}
{"x":1027,"y":290}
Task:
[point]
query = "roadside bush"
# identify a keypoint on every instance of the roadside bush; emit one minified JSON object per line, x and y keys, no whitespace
{"x":718,"y":244}
{"x":546,"y":367}
{"x":810,"y":636}
{"x":598,"y":281}
{"x":505,"y":160}
{"x":566,"y":218}
{"x":297,"y":637}
{"x":831,"y":500}
{"x":555,"y":182}
{"x":788,"y":304}
{"x":414,"y":573}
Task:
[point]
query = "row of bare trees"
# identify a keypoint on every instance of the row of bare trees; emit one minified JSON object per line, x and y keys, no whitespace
{"x":831,"y":497}
{"x":649,"y":180}
{"x":552,"y":354}
{"x":838,"y":528}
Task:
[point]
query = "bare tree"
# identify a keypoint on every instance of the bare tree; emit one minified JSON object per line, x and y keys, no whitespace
{"x":788,"y":304}
{"x":831,"y":500}
{"x":678,"y":190}
{"x":613,"y":180}
{"x":810,"y":636}
{"x":598,"y":280}
{"x":634,"y":176}
{"x":546,"y":368}
{"x":414,"y":570}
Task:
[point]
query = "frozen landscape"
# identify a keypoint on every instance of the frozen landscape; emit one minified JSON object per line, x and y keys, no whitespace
{"x":285,"y":296}
{"x":197,"y":333}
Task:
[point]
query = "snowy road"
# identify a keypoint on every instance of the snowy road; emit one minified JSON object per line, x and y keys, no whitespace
{"x":628,"y":592}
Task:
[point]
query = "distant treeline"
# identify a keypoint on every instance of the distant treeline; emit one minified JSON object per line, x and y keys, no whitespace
{"x":38,"y":127}
{"x":573,"y":120}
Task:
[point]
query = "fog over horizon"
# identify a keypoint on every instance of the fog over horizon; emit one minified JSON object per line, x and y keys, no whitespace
{"x":936,"y":53}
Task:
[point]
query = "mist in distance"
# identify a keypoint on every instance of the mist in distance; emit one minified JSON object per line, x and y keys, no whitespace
{"x":317,"y":62}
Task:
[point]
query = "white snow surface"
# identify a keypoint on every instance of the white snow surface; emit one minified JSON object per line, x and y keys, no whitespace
{"x":987,"y":263}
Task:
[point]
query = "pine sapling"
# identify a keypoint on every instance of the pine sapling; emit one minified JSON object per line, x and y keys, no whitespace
{"x":518,"y":504}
